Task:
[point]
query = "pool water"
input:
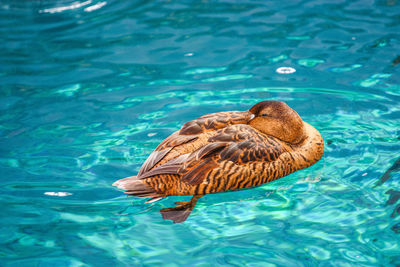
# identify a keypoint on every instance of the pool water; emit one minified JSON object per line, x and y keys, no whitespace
{"x":89,"y":88}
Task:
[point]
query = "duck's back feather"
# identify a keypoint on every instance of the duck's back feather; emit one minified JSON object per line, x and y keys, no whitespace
{"x":239,"y":144}
{"x":190,"y":132}
{"x":214,"y":121}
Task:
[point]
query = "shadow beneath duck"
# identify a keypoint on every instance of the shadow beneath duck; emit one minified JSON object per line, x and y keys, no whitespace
{"x":181,"y":212}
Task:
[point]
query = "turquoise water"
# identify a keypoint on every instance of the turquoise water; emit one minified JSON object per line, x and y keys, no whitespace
{"x":89,"y":88}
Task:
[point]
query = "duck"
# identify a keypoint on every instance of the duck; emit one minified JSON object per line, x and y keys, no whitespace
{"x":225,"y":151}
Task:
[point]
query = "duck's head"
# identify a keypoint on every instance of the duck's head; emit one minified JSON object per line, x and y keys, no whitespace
{"x":277,"y":119}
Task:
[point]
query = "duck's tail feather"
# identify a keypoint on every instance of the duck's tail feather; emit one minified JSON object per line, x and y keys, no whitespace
{"x":136,"y":187}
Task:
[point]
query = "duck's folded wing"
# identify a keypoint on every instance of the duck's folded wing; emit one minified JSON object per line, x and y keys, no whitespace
{"x":240,"y":144}
{"x":190,"y":132}
{"x":247,"y":145}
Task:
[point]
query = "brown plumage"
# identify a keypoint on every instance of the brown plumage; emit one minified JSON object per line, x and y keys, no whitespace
{"x":226,"y":151}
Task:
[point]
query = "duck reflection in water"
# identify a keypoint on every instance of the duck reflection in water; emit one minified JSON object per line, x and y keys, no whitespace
{"x":225,"y":151}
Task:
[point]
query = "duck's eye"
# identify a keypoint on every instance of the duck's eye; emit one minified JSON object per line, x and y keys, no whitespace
{"x":264,"y":115}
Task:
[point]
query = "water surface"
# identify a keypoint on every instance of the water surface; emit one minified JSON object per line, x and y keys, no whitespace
{"x":89,"y":88}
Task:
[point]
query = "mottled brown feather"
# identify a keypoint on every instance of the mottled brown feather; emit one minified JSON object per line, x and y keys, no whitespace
{"x":153,"y":159}
{"x":174,"y":140}
{"x":188,"y":134}
{"x":214,"y":121}
{"x":248,"y":145}
{"x":171,"y":167}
